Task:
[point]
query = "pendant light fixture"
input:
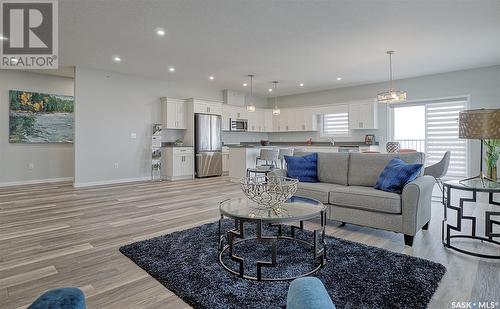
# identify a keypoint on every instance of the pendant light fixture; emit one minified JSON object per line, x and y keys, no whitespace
{"x":391,"y":96}
{"x":276,"y":110}
{"x":251,"y":106}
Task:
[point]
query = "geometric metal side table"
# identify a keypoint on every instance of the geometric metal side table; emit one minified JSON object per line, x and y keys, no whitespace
{"x":492,"y":218}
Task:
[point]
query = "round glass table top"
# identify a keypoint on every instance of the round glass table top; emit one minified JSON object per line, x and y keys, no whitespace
{"x":296,"y":208}
{"x":474,"y":185}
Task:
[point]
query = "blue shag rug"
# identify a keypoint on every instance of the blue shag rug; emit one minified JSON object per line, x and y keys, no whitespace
{"x":355,"y":275}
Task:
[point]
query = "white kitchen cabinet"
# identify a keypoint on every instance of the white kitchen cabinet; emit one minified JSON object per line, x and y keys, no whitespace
{"x":256,"y":121}
{"x":225,"y":160}
{"x":207,"y":107}
{"x":232,"y":112}
{"x":173,"y":113}
{"x":310,"y":122}
{"x":178,"y":163}
{"x":268,"y":120}
{"x":363,"y":116}
{"x":282,"y":121}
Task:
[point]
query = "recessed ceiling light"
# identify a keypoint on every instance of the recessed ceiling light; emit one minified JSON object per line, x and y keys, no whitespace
{"x":339,"y":78}
{"x":301,"y":85}
{"x":2,"y":38}
{"x":245,"y":84}
{"x":117,"y":58}
{"x":211,"y":78}
{"x":270,"y":89}
{"x":171,"y":69}
{"x":160,"y":31}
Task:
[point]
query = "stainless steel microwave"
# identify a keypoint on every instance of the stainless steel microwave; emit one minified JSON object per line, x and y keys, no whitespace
{"x":238,"y":124}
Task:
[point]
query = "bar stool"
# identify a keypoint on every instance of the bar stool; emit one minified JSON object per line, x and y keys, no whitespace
{"x":269,"y":155}
{"x":281,"y":155}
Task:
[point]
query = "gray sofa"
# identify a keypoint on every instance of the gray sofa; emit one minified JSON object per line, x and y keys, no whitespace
{"x":346,"y":185}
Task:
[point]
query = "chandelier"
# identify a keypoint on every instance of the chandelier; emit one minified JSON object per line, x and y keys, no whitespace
{"x":391,"y":96}
{"x":276,"y":110}
{"x":251,"y":106}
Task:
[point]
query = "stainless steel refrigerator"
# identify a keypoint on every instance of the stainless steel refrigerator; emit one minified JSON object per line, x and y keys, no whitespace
{"x":208,"y":145}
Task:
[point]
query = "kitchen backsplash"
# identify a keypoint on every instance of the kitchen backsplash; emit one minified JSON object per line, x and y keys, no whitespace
{"x":355,"y":136}
{"x":169,"y":136}
{"x":238,"y":137}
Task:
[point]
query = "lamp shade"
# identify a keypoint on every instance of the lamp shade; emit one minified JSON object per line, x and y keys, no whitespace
{"x":479,"y":124}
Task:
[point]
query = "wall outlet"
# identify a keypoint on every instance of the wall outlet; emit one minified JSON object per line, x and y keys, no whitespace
{"x":133,"y":135}
{"x":31,"y":166}
{"x":116,"y":164}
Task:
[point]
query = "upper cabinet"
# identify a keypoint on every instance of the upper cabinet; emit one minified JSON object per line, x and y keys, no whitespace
{"x":207,"y":107}
{"x":232,"y":112}
{"x":305,"y":120}
{"x":173,"y":113}
{"x":363,"y":116}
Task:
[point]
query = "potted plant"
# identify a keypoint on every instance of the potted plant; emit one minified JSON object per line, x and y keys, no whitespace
{"x":492,"y":155}
{"x":178,"y":142}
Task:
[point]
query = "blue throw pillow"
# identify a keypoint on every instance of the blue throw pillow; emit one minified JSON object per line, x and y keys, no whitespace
{"x":304,"y":168}
{"x":396,"y":175}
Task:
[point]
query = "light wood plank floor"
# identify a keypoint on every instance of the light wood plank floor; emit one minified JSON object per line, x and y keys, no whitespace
{"x":54,"y":235}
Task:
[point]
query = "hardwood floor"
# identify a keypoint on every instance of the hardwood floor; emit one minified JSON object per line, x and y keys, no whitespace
{"x":54,"y":235}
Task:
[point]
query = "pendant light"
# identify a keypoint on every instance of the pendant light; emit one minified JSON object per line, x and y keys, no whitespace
{"x":276,"y":110}
{"x":251,"y":106}
{"x":391,"y":96}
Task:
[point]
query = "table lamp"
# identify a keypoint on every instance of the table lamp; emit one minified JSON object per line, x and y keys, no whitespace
{"x":479,"y":124}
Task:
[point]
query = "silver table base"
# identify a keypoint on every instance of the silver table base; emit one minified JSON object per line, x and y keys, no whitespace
{"x":236,"y":236}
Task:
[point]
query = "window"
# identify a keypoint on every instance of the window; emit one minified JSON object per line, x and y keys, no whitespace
{"x":442,"y":135}
{"x":336,"y":124}
{"x":432,"y":127}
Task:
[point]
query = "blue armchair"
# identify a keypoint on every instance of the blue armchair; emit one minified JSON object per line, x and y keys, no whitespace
{"x":308,"y":293}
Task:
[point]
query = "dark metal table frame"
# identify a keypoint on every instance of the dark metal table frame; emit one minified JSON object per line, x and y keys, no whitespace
{"x":489,"y":221}
{"x":318,"y":244}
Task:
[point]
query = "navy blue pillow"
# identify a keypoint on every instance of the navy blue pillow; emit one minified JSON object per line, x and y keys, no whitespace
{"x":304,"y":168}
{"x":396,"y":175}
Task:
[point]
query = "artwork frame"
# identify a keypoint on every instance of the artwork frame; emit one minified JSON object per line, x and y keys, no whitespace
{"x":40,"y":118}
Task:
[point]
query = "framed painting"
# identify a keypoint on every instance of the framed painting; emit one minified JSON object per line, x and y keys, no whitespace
{"x":40,"y":118}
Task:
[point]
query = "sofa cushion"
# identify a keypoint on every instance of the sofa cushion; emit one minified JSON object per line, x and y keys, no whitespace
{"x":332,"y":167}
{"x":366,"y":198}
{"x":396,"y":175}
{"x":364,"y":168}
{"x":318,"y":191}
{"x":304,"y":168}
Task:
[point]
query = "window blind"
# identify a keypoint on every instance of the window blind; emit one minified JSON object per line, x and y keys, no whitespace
{"x":442,"y":135}
{"x":336,"y":124}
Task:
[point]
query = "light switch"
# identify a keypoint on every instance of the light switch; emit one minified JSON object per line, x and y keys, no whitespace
{"x":133,"y":135}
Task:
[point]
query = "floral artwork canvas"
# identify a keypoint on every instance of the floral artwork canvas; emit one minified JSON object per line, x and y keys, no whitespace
{"x":40,"y":118}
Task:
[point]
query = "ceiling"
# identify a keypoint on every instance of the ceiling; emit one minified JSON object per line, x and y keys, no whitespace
{"x":310,"y":42}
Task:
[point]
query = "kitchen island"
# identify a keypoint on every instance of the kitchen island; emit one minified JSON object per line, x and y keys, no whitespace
{"x":242,"y":157}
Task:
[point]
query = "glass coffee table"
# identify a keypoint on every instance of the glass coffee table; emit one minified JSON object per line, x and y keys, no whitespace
{"x":245,"y":212}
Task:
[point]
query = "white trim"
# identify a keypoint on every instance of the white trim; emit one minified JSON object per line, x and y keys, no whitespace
{"x":109,"y":182}
{"x":35,"y":181}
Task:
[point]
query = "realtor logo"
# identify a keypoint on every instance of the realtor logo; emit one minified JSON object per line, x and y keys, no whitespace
{"x":29,"y":34}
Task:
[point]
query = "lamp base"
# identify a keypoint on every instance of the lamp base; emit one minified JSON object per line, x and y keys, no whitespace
{"x":480,"y":181}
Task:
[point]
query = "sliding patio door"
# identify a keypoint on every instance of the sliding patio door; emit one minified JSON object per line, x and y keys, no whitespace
{"x":432,"y":127}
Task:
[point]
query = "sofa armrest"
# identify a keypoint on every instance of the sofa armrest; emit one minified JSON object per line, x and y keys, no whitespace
{"x":416,"y":204}
{"x":277,"y":173}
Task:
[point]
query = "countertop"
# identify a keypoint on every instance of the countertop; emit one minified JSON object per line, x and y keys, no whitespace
{"x":298,"y":144}
{"x":168,"y":145}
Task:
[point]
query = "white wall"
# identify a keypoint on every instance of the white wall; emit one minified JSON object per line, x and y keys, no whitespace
{"x":111,"y":106}
{"x":51,"y":161}
{"x":482,"y":84}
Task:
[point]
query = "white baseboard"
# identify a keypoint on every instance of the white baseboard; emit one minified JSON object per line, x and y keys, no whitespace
{"x":35,"y":181}
{"x":109,"y":182}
